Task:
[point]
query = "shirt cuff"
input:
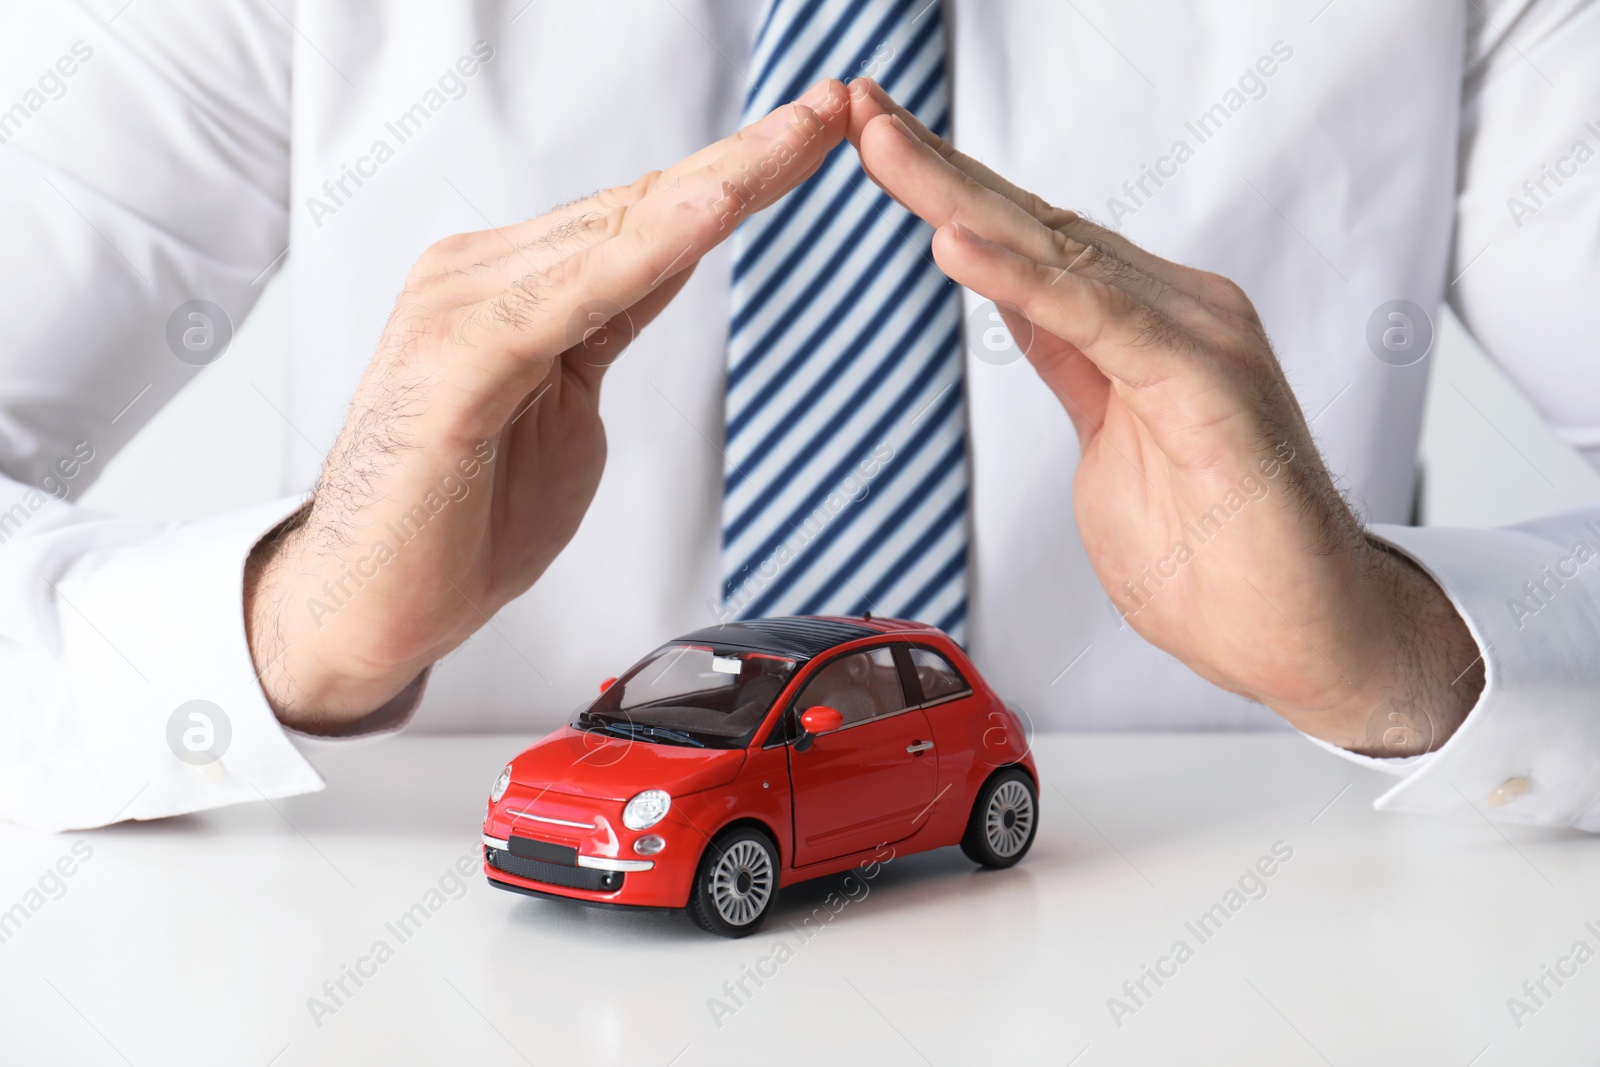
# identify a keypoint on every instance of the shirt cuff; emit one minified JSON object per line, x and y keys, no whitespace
{"x":1529,"y":751}
{"x":171,"y":716}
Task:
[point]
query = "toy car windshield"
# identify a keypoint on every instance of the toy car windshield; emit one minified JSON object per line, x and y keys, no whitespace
{"x":691,"y":695}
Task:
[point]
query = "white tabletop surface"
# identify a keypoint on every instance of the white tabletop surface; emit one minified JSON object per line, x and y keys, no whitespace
{"x":1384,"y":939}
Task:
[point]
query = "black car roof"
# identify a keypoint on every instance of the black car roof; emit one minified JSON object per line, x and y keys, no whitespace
{"x":795,"y":635}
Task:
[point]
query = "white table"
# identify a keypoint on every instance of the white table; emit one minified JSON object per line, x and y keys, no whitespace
{"x":1385,"y":939}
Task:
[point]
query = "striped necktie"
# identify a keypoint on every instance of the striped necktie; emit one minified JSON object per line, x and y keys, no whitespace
{"x":845,"y":482}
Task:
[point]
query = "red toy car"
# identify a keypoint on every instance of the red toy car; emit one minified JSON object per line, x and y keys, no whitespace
{"x":762,"y":753}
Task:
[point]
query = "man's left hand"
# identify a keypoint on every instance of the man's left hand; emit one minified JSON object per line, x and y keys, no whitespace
{"x":1202,"y":501}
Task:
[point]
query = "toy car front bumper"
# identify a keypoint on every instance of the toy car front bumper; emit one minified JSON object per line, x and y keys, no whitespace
{"x":540,"y":841}
{"x":594,"y":863}
{"x":595,"y":879}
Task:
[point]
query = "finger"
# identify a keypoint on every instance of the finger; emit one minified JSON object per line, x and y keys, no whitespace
{"x":509,"y":338}
{"x":928,"y":184}
{"x":574,"y":379}
{"x":868,"y":100}
{"x":1084,"y":391}
{"x":921,"y":179}
{"x":579,"y":224}
{"x":602,"y":344}
{"x":460,"y":274}
{"x":1111,"y":328}
{"x":464,"y":262}
{"x":572,"y":231}
{"x":596,"y":353}
{"x":828,"y":98}
{"x":762,"y":163}
{"x":508,"y":263}
{"x":1149,"y":359}
{"x":471,"y":263}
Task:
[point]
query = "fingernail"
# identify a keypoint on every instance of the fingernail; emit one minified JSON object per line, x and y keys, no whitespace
{"x":903,"y":130}
{"x":818,"y":94}
{"x":969,"y":236}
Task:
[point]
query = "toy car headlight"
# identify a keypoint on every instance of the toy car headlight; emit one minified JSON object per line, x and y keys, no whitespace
{"x":646,"y":809}
{"x":501,"y":784}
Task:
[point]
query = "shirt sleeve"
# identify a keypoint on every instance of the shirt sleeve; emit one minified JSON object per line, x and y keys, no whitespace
{"x":1526,"y":266}
{"x":144,"y":152}
{"x":1526,"y":263}
{"x":131,"y":688}
{"x":1529,"y":751}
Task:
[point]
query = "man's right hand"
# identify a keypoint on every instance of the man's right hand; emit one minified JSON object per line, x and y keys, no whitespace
{"x":474,"y":443}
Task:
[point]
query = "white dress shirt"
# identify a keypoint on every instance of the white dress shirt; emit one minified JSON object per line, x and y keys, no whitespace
{"x":1328,"y":157}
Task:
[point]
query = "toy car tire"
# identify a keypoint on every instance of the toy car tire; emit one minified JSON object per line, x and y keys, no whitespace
{"x":1005,"y":817}
{"x":736,"y":883}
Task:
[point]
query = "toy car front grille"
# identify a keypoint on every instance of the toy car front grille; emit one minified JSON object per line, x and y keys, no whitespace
{"x":554,"y":873}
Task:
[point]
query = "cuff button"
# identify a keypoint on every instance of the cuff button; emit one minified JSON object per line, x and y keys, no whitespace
{"x":1507,"y":791}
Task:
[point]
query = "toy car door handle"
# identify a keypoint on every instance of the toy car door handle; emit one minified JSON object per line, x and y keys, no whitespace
{"x":919,"y":746}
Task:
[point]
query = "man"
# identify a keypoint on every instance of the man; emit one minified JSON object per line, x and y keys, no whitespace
{"x":798,"y":429}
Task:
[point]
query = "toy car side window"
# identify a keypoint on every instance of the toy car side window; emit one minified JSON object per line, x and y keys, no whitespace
{"x":937,"y":677}
{"x":861,"y":686}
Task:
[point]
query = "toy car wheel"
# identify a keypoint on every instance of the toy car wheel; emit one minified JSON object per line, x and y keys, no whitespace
{"x":736,"y":883}
{"x":1004,"y":819}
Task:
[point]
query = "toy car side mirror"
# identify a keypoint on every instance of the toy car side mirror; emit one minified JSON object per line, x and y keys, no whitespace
{"x":607,"y":684}
{"x":821,"y":720}
{"x":815,"y":722}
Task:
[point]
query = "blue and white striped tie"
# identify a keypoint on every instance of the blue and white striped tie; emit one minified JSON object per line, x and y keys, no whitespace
{"x":846,"y":475}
